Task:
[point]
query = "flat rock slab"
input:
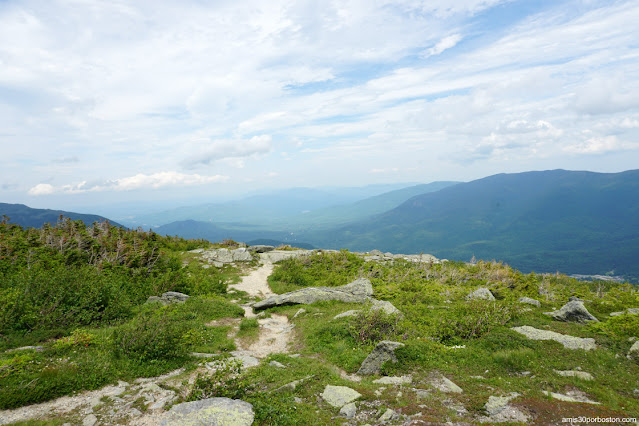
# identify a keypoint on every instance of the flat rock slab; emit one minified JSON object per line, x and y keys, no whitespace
{"x":575,"y":397}
{"x":275,"y":256}
{"x":383,"y":352}
{"x":210,"y":412}
{"x":392,"y":380}
{"x":339,"y":396}
{"x":358,"y":291}
{"x":444,"y":384}
{"x":497,"y":404}
{"x":569,"y":342}
{"x":481,"y":294}
{"x":575,"y":373}
{"x":573,"y":311}
{"x":529,"y":301}
{"x":629,"y":311}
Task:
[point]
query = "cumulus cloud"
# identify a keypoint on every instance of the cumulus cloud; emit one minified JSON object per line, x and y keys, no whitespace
{"x":139,"y":181}
{"x":230,"y":149}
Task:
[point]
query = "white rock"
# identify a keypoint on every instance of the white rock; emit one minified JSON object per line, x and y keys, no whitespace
{"x":349,"y":410}
{"x":392,"y":380}
{"x":338,"y":396}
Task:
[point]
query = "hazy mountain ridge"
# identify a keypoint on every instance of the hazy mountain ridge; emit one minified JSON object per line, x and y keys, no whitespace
{"x":29,"y":217}
{"x":575,"y":222}
{"x":270,"y":206}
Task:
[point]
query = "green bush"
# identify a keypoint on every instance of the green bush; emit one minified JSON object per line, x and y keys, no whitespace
{"x":619,"y":327}
{"x":152,"y":335}
{"x":225,"y":381}
{"x":471,"y":320}
{"x":371,"y":326}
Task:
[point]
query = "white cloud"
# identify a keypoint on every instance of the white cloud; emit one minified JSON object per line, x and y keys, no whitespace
{"x":139,"y":181}
{"x":600,"y":145}
{"x":230,"y":149}
{"x":444,"y":44}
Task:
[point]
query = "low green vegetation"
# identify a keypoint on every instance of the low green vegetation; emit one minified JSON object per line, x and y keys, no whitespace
{"x":78,"y":292}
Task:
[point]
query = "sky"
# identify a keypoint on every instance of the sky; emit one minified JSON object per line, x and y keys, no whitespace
{"x":167,"y":102}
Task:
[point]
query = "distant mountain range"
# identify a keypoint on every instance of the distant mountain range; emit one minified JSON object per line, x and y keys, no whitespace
{"x":35,"y":218}
{"x":573,"y":222}
{"x":270,"y":208}
{"x":568,"y":221}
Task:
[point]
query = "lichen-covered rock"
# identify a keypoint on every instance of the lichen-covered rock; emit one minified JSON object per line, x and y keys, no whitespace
{"x":212,"y":411}
{"x":569,"y":342}
{"x":497,"y":404}
{"x":575,"y":373}
{"x":383,"y":352}
{"x":261,"y":248}
{"x":573,"y":311}
{"x":338,"y":396}
{"x":633,"y":353}
{"x":348,"y":411}
{"x":629,"y":311}
{"x":169,"y":297}
{"x":444,"y":384}
{"x":394,"y":380}
{"x":529,"y":301}
{"x":388,"y":416}
{"x":383,"y":305}
{"x":481,"y":294}
{"x":358,"y":291}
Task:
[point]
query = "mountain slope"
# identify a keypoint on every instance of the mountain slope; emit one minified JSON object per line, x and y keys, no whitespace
{"x":575,"y":222}
{"x":29,"y":217}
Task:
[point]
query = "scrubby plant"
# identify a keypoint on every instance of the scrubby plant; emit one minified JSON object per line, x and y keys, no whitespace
{"x":373,"y":325}
{"x":224,"y":381}
{"x":78,"y":339}
{"x":152,"y":335}
{"x":472,"y":320}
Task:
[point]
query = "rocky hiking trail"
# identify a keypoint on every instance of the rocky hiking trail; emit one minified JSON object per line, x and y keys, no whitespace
{"x":117,"y":404}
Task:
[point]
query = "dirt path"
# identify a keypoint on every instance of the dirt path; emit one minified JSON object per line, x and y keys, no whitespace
{"x":256,"y":283}
{"x":275,"y":332}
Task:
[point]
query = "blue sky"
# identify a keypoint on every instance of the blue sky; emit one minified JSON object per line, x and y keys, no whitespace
{"x":175,"y":101}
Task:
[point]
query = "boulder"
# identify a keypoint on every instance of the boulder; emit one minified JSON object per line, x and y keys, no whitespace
{"x":279,"y":255}
{"x":388,"y":416}
{"x":348,"y":411}
{"x":529,"y":301}
{"x":499,"y":410}
{"x":497,"y":404}
{"x":339,"y":396}
{"x":383,"y":352}
{"x":575,"y":373}
{"x":212,"y":411}
{"x":358,"y":291}
{"x":634,"y":351}
{"x":260,"y":248}
{"x":383,"y":305}
{"x":629,"y":311}
{"x":168,"y":298}
{"x":569,"y":342}
{"x":444,"y":384}
{"x":481,"y":293}
{"x":393,"y":380}
{"x":574,"y":396}
{"x":573,"y":311}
